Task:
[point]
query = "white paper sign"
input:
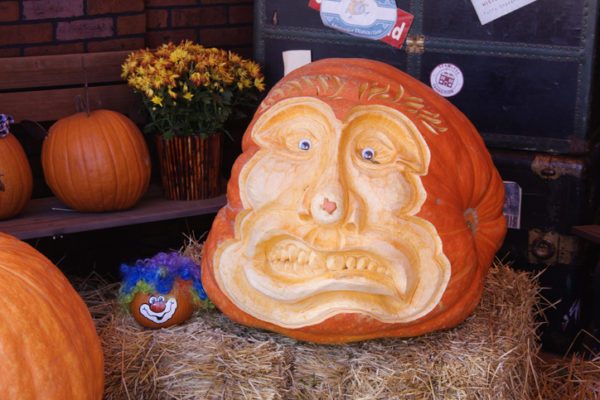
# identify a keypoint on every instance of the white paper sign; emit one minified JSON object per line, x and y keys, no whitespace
{"x":489,"y":10}
{"x":512,"y":204}
{"x":371,"y":19}
{"x":293,"y":59}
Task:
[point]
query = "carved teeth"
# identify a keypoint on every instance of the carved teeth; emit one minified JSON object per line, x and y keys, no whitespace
{"x":302,"y":257}
{"x":362,"y":263}
{"x":351,"y":262}
{"x":335,"y":263}
{"x":295,"y":260}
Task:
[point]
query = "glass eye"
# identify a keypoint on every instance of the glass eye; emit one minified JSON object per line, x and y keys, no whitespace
{"x":368,"y":153}
{"x":304,"y":144}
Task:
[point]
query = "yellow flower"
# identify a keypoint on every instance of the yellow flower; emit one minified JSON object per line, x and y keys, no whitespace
{"x":192,"y":72}
{"x":259,"y":83}
{"x":157,"y":100}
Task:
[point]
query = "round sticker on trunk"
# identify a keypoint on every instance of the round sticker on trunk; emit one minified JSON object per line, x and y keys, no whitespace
{"x":446,"y":79}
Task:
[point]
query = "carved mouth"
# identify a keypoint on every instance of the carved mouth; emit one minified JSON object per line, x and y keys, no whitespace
{"x":295,"y":260}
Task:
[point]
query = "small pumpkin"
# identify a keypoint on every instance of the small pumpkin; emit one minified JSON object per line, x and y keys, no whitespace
{"x":158,"y":310}
{"x":162,"y":290}
{"x":16,"y":179}
{"x":48,"y":342}
{"x":97,"y":162}
{"x":363,"y":205}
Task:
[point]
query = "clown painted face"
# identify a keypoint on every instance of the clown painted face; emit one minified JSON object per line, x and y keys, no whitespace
{"x":328,"y":223}
{"x":161,"y":310}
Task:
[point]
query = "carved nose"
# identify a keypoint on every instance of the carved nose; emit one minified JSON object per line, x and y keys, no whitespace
{"x":328,"y":206}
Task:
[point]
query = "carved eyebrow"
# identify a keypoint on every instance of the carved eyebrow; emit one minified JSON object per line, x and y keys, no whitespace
{"x":287,"y":111}
{"x":406,"y":139}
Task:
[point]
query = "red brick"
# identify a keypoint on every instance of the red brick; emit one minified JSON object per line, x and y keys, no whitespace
{"x":232,"y":1}
{"x":12,"y":52}
{"x":246,"y":52}
{"x":169,"y":3}
{"x":46,"y":9}
{"x":190,"y":17}
{"x":64,"y":48}
{"x":241,"y":14}
{"x":157,"y":19}
{"x":95,"y":7}
{"x":131,"y":24}
{"x":226,"y":36}
{"x":117,"y":44}
{"x":156,"y":38}
{"x":9,"y":11}
{"x":85,"y":29}
{"x":27,"y":33}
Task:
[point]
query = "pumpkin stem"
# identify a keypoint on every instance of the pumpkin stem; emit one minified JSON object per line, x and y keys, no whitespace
{"x":86,"y":102}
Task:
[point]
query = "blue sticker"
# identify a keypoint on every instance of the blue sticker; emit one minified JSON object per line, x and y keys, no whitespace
{"x":370,"y":19}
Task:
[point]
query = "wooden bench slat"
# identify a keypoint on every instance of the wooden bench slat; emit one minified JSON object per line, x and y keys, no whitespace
{"x":60,"y":70}
{"x":50,"y":105}
{"x":588,"y":232}
{"x":49,"y":217}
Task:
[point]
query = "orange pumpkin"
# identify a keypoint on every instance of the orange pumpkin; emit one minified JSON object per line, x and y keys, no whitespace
{"x":48,"y":341}
{"x":156,"y":310}
{"x":16,"y":180}
{"x":363,"y":205}
{"x":96,"y":163}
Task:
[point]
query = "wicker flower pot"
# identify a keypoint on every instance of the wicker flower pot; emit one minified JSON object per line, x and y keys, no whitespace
{"x":189,"y":166}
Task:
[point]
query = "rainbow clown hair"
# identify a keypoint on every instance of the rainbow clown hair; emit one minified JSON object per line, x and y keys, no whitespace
{"x":158,"y":275}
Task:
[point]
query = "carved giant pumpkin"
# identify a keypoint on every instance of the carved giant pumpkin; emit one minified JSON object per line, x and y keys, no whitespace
{"x":363,"y":205}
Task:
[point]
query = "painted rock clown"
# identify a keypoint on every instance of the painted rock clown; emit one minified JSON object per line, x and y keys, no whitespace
{"x":363,"y":205}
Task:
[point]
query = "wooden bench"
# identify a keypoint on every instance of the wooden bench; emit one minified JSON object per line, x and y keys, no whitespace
{"x":44,"y":89}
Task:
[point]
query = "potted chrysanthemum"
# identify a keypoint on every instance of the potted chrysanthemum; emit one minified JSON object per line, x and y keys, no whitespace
{"x":190,"y":92}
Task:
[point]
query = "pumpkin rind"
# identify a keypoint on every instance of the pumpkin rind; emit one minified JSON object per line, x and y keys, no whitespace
{"x":462,"y":206}
{"x":16,"y":177}
{"x":48,"y":341}
{"x":96,"y":163}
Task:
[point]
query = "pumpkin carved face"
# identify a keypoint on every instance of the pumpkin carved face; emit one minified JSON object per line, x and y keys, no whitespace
{"x":364,"y":205}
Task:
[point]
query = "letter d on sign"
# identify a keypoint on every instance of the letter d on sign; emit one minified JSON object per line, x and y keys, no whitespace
{"x":398,"y":33}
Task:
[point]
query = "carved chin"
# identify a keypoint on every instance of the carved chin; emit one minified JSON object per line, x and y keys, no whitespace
{"x":292,"y":283}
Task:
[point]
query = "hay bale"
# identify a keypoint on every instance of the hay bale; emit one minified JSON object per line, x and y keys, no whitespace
{"x":570,"y":378}
{"x":489,"y":356}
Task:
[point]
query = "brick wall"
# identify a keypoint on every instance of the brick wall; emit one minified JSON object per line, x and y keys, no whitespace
{"x":37,"y":27}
